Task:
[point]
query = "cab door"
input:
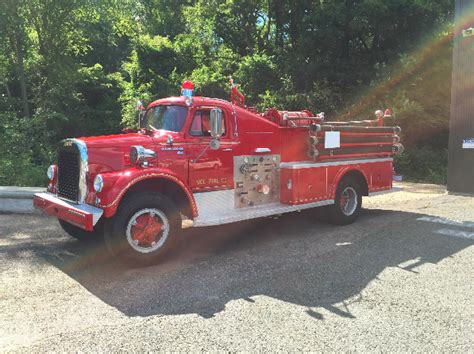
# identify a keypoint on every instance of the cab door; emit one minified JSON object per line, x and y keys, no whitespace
{"x":209,"y":169}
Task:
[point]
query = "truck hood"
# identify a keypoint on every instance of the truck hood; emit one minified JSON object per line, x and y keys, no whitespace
{"x":112,"y":152}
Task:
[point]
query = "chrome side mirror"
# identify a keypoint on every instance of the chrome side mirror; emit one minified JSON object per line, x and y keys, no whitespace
{"x":216,"y":128}
{"x":216,"y":123}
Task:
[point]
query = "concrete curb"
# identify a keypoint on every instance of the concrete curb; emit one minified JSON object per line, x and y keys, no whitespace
{"x":18,"y":199}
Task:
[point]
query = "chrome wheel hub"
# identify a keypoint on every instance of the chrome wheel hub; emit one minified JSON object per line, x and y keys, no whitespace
{"x":147,"y":230}
{"x":348,"y":201}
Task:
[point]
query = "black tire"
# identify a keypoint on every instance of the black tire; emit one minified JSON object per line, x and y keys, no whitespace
{"x":119,"y":232}
{"x":341,"y":213}
{"x":81,"y":234}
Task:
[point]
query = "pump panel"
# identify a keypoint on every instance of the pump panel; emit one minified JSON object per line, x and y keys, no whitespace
{"x":257,"y":180}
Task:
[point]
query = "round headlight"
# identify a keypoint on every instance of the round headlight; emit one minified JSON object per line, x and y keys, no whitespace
{"x":98,"y":183}
{"x":51,"y":173}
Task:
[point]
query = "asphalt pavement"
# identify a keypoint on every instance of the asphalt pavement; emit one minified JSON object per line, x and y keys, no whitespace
{"x":399,"y":279}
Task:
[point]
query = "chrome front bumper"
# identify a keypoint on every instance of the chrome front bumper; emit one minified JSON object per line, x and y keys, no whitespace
{"x":81,"y":215}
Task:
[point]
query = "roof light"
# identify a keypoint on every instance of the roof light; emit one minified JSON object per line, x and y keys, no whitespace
{"x":187,"y":89}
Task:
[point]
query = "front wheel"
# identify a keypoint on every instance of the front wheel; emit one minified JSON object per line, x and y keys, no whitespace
{"x":144,"y":229}
{"x":347,"y":204}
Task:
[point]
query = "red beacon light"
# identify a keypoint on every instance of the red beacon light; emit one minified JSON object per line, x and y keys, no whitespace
{"x":187,"y":90}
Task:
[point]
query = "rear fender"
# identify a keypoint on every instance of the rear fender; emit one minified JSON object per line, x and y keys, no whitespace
{"x":358,"y":173}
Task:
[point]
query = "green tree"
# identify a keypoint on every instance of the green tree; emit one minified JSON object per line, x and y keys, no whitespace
{"x":77,"y":67}
{"x":14,"y":44}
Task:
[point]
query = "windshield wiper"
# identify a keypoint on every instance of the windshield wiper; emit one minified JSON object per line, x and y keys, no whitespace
{"x":152,"y":127}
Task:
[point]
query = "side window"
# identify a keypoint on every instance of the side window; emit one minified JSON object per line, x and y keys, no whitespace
{"x":196,"y":126}
{"x":201,"y":125}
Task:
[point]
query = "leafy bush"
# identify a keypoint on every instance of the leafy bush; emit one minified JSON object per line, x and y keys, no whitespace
{"x":423,"y":164}
{"x":23,"y":161}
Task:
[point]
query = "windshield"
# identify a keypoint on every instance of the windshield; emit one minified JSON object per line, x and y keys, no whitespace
{"x":170,"y":118}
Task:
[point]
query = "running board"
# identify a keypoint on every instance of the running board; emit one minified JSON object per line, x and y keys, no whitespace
{"x":217,"y":208}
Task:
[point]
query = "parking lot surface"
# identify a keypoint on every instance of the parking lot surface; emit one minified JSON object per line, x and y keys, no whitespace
{"x":401,"y":278}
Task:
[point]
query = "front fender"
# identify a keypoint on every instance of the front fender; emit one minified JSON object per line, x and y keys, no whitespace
{"x":116,"y":184}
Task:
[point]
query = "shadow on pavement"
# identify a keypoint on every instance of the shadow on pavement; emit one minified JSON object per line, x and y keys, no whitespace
{"x":295,"y":259}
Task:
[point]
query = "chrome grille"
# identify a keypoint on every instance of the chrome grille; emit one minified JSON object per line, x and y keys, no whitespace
{"x":68,"y":173}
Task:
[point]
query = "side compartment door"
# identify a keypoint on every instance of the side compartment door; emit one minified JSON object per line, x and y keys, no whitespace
{"x":209,"y":169}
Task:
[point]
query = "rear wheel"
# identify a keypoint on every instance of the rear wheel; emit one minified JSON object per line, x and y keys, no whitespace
{"x":81,"y":234}
{"x":347,"y":204}
{"x":144,"y":229}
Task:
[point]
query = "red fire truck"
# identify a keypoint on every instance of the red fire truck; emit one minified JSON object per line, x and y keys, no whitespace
{"x":206,"y":161}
